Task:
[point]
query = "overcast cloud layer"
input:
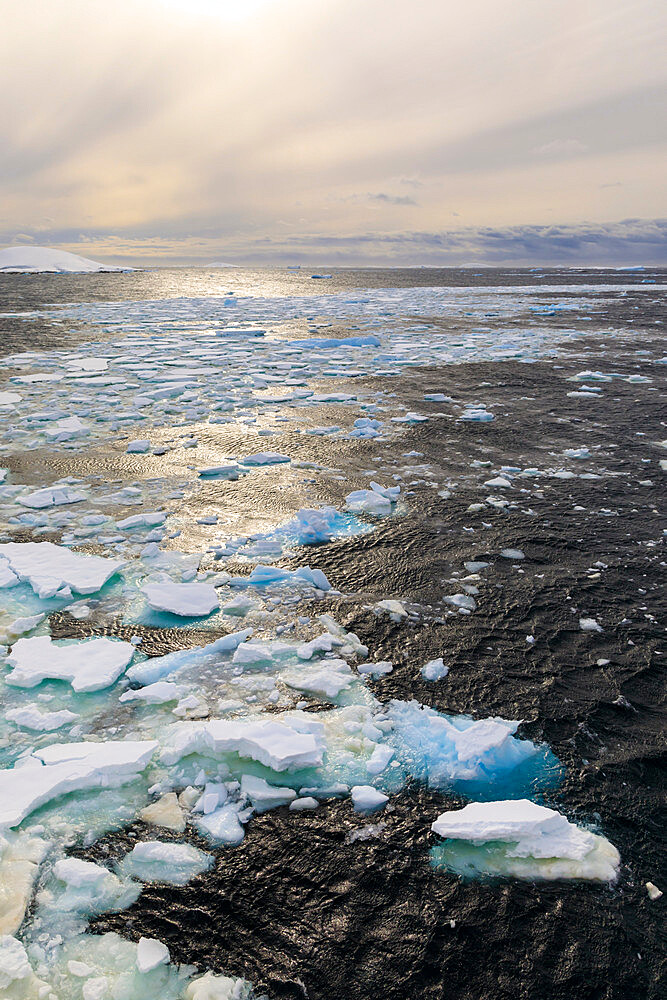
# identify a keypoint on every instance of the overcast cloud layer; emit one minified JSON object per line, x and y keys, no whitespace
{"x":273,"y":131}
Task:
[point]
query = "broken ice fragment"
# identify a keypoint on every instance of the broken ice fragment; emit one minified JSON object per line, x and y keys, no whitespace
{"x":150,"y":954}
{"x":52,"y":496}
{"x":40,"y":722}
{"x":68,"y":767}
{"x":517,"y":837}
{"x":138,"y":447}
{"x":188,"y":600}
{"x":365,"y":798}
{"x":263,"y":795}
{"x":87,"y":664}
{"x":266,"y":458}
{"x":158,"y":861}
{"x":45,"y":565}
{"x":589,"y":625}
{"x":165,"y":812}
{"x":434,"y":670}
{"x":275,"y":744}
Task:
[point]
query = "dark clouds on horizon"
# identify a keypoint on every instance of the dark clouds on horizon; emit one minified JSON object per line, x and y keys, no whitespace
{"x":630,"y":242}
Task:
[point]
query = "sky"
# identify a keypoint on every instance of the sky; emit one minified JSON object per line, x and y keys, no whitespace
{"x":336,"y":131}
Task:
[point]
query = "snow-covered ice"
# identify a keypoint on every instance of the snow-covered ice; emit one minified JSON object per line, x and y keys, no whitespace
{"x":520,"y":838}
{"x":87,"y":664}
{"x":33,"y":260}
{"x":189,"y":600}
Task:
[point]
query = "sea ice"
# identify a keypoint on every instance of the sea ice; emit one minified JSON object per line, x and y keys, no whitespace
{"x":589,"y":625}
{"x":160,"y":861}
{"x":442,"y":750}
{"x":52,"y":496}
{"x":266,"y":458}
{"x":155,"y":694}
{"x":263,"y":576}
{"x":263,"y":795}
{"x":189,"y":600}
{"x":20,"y":858}
{"x":48,"y":567}
{"x":273,"y":743}
{"x":166,"y":812}
{"x":150,"y":954}
{"x":378,"y":500}
{"x":434,"y":670}
{"x":328,"y":678}
{"x":29,"y":717}
{"x":365,"y":798}
{"x":520,"y":838}
{"x":152,"y":670}
{"x":68,"y":767}
{"x":87,"y":664}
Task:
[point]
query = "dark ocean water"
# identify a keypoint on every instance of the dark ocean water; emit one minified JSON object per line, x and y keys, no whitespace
{"x":298,"y":910}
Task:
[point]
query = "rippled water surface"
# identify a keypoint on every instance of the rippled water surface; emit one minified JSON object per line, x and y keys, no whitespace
{"x":570,"y":364}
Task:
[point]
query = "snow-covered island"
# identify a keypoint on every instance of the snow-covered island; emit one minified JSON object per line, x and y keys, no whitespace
{"x":47,"y":260}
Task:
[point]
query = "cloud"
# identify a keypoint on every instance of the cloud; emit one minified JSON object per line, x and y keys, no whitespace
{"x":392,"y":199}
{"x":146,"y":119}
{"x":561,"y":147}
{"x":632,"y":241}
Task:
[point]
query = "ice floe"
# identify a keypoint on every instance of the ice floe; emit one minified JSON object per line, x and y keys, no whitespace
{"x":88,"y":664}
{"x":68,"y":767}
{"x":189,"y":600}
{"x":517,"y":837}
{"x":49,"y":568}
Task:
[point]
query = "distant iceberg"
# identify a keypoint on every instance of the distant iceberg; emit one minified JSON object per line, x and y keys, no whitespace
{"x":41,"y":260}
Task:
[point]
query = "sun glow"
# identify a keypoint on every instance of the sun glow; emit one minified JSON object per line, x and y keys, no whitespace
{"x":227,"y":10}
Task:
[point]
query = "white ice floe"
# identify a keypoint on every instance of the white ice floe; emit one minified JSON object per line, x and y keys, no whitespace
{"x":273,"y":743}
{"x":166,"y":812}
{"x":328,"y":678}
{"x":87,"y":664}
{"x":79,"y":889}
{"x":161,"y":861}
{"x":49,"y":568}
{"x":365,"y":798}
{"x":263,"y":795}
{"x":434,"y":670}
{"x":394,"y":609}
{"x":138,"y":447}
{"x":67,"y":429}
{"x":30,"y":717}
{"x":378,"y":500}
{"x":68,"y":767}
{"x":264,"y":576}
{"x":476,"y":414}
{"x":34,"y":260}
{"x":223,"y":826}
{"x":20,"y":857}
{"x":589,"y":625}
{"x":138,"y":521}
{"x":375,"y":668}
{"x":520,"y":838}
{"x":189,"y":600}
{"x":305,"y":804}
{"x":156,"y":694}
{"x":150,"y":954}
{"x":52,"y":496}
{"x":266,"y":458}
